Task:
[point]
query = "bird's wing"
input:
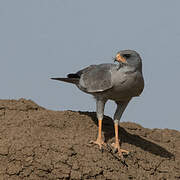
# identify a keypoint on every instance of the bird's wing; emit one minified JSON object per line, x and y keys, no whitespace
{"x":96,"y":78}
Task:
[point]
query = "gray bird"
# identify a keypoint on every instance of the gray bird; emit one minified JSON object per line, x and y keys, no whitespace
{"x":118,"y":82}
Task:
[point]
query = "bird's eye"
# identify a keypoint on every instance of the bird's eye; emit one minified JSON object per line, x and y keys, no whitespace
{"x":126,"y":56}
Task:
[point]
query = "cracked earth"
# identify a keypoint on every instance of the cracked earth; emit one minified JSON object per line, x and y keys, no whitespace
{"x":39,"y":144}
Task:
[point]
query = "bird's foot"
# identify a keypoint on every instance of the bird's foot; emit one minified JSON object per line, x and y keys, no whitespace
{"x":99,"y":142}
{"x":120,"y":151}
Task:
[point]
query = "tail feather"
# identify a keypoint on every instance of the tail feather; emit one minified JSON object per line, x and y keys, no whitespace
{"x":68,"y":80}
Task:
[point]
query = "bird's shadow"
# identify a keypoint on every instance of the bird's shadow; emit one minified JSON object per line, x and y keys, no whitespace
{"x":136,"y":140}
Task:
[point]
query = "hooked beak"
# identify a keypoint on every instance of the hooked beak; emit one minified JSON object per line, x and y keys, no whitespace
{"x":120,"y":58}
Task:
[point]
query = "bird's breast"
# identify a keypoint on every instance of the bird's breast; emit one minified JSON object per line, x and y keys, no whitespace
{"x":127,"y":84}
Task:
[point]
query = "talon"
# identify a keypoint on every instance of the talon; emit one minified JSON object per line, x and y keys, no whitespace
{"x":120,"y":151}
{"x":114,"y":149}
{"x":98,"y":142}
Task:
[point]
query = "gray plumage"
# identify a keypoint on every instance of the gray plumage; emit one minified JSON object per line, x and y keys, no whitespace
{"x":119,"y":82}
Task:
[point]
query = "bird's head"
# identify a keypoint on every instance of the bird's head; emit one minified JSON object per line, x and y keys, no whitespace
{"x":129,"y":57}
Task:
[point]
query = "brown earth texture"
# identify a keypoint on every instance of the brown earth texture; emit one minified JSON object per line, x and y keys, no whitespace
{"x":40,"y":144}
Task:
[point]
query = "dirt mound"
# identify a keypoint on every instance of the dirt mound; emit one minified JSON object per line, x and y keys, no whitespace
{"x":39,"y":144}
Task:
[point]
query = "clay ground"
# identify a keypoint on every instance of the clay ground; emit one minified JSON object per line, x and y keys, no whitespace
{"x":40,"y":144}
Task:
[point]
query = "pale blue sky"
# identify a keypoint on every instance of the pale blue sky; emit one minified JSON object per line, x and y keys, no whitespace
{"x":43,"y":39}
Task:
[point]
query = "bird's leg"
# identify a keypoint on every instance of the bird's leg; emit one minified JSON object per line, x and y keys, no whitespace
{"x":121,"y":106}
{"x":116,"y":145}
{"x":100,"y":112}
{"x":99,"y":141}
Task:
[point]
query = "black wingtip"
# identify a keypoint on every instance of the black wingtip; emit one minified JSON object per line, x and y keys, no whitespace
{"x":73,"y":76}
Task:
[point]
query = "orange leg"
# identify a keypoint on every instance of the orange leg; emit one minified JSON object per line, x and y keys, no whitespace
{"x":99,"y":140}
{"x":116,"y":145}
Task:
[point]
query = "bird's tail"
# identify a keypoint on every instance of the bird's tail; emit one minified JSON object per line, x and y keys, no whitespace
{"x":68,"y":80}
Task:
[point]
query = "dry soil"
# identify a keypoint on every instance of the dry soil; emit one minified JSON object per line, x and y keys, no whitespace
{"x":40,"y":144}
